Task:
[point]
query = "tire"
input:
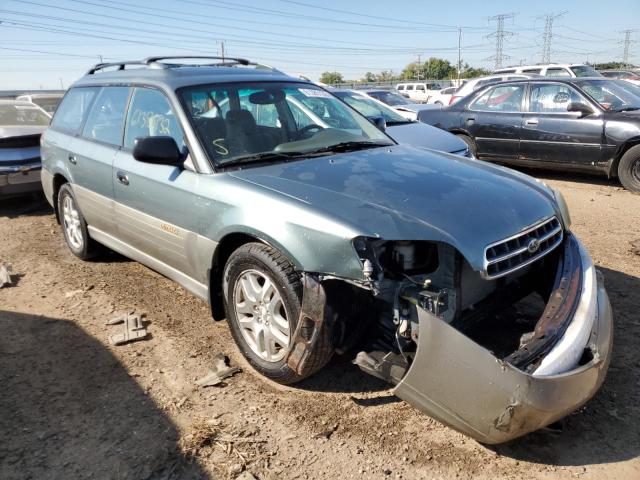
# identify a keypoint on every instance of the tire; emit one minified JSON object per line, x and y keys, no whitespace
{"x":470,"y":143}
{"x":74,"y":226}
{"x":629,"y":169}
{"x":253,"y":324}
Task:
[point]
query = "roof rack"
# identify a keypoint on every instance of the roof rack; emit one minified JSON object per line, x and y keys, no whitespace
{"x":158,"y":62}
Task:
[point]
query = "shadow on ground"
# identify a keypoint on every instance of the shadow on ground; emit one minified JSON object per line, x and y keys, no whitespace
{"x":25,"y":205}
{"x":607,"y":429}
{"x":70,"y":409}
{"x":594,"y":178}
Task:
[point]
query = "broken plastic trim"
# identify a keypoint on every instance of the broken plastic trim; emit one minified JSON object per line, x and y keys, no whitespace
{"x":311,"y":324}
{"x":463,"y":385}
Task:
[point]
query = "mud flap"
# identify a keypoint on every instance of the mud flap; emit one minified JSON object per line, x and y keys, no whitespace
{"x":461,"y":384}
{"x":311,"y":324}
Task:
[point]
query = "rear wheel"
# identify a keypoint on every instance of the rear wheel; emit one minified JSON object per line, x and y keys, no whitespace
{"x":470,"y":143}
{"x":629,"y":169}
{"x":74,"y":226}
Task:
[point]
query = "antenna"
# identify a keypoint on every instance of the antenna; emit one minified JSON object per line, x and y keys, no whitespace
{"x":499,"y":35}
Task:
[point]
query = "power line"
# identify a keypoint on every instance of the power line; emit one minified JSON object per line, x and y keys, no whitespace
{"x":499,"y":35}
{"x":548,"y":35}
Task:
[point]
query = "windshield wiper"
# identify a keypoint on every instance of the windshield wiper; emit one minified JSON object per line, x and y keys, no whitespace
{"x":351,"y":146}
{"x":266,"y":157}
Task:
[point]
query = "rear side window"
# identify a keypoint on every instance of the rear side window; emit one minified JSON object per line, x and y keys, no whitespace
{"x":409,"y":87}
{"x":558,"y":72}
{"x":400,"y":87}
{"x":74,"y":108}
{"x":501,"y":98}
{"x":532,"y":70}
{"x":106,"y":118}
{"x":420,"y":87}
{"x":150,"y":115}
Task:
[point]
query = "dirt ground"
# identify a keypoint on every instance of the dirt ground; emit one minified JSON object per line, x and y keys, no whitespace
{"x":73,"y":406}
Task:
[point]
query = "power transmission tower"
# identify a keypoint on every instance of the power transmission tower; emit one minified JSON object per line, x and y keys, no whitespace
{"x":548,"y":35}
{"x":499,"y":35}
{"x":627,"y":44}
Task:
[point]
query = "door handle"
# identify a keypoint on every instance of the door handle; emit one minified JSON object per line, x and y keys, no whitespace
{"x":532,"y":121}
{"x":122,"y":178}
{"x":471,"y":119}
{"x":72,"y":159}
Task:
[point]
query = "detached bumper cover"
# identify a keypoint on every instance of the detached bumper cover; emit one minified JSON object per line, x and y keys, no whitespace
{"x":463,"y":385}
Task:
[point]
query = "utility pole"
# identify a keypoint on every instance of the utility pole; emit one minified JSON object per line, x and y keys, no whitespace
{"x":222,"y":50}
{"x":499,"y":35}
{"x":61,"y":84}
{"x":419,"y":75}
{"x":548,"y":35}
{"x":627,"y":44}
{"x":459,"y":54}
{"x":100,"y":58}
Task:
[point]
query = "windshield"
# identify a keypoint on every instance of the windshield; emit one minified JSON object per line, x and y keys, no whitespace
{"x":274,"y":120}
{"x":15,"y":114}
{"x":390,"y":98}
{"x":614,"y":95}
{"x":371,"y":108}
{"x":585,"y":71}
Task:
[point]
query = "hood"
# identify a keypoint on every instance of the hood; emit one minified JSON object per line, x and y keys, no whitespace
{"x":419,"y":134}
{"x":406,"y":193}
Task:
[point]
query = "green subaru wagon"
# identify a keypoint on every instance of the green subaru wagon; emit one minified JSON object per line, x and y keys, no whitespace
{"x":458,"y":282}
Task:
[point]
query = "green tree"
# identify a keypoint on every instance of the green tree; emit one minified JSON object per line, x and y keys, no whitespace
{"x":331,"y":78}
{"x":369,"y":77}
{"x":472,"y":72}
{"x":432,"y":69}
{"x":610,"y":66}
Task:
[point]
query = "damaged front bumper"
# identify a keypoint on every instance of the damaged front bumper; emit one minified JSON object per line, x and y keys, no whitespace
{"x":462,"y":384}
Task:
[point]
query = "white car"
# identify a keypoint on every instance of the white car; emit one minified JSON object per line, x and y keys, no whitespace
{"x":419,"y":91}
{"x":443,"y":97}
{"x":399,"y":103}
{"x":627,"y":75}
{"x":553,"y":70}
{"x":476,"y":83}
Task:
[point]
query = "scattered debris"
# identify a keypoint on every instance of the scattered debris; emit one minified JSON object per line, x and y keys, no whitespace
{"x":635,"y":246}
{"x":220,"y":371}
{"x":120,"y":317}
{"x":133,"y":329}
{"x":72,"y":293}
{"x":5,"y":275}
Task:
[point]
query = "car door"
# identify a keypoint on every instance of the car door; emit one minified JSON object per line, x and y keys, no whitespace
{"x":494,"y":119}
{"x":550,"y":133}
{"x":92,"y":154}
{"x":152,"y":202}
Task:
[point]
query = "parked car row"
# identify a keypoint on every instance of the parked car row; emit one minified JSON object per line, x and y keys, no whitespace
{"x":311,"y":230}
{"x":589,"y":124}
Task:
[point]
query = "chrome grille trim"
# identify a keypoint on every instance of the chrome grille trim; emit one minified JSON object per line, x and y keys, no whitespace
{"x":506,"y":256}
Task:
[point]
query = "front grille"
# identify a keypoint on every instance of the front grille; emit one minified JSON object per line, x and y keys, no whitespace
{"x":506,"y":256}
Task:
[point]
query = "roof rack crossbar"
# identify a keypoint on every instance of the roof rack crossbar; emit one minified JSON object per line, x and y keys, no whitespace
{"x":158,"y":62}
{"x":230,"y":60}
{"x":120,"y":65}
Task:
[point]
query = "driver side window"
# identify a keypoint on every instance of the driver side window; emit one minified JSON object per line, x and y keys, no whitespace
{"x":552,"y":98}
{"x":151,"y":115}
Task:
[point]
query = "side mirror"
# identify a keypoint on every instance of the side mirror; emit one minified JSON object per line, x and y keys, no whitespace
{"x":379,"y":122}
{"x":159,"y":150}
{"x":581,"y":108}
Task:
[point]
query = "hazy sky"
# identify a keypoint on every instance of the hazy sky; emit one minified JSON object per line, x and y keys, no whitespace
{"x":44,"y":43}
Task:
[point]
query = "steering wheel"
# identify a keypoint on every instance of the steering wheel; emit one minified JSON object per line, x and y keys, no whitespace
{"x":308,"y":128}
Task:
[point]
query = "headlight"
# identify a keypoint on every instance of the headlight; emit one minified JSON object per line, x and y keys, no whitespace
{"x":562,"y":206}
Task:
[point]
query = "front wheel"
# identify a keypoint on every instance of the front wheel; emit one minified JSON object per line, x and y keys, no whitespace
{"x":470,"y":143}
{"x":629,"y":169}
{"x":262,"y":293}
